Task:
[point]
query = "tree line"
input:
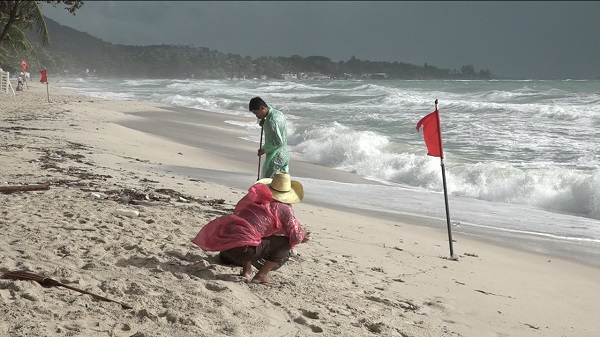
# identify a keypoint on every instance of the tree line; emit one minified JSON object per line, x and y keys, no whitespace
{"x":68,"y":52}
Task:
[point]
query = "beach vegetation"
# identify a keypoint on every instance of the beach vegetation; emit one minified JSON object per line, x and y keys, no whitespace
{"x":17,"y":19}
{"x":74,"y":54}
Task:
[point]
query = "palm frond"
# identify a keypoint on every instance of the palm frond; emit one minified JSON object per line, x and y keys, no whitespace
{"x":17,"y":38}
{"x":33,"y":16}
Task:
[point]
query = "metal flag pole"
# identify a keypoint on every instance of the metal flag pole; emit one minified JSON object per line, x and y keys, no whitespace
{"x":259,"y":147}
{"x":437,"y":118}
{"x":48,"y":91}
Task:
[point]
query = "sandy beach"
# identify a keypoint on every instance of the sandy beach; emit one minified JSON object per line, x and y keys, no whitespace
{"x":360,"y":275}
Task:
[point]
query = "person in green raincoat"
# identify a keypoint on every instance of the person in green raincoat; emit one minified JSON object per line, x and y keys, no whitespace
{"x":275,"y":133}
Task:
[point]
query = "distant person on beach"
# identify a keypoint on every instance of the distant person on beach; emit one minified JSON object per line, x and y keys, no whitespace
{"x":20,"y":81}
{"x":262,"y":226}
{"x":275,"y":148}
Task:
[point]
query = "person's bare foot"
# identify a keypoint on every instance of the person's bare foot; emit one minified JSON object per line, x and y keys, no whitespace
{"x":246,"y":270}
{"x":264,"y":280}
{"x":245,"y":275}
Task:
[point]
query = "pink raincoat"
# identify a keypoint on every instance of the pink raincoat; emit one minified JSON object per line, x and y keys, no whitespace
{"x":256,"y":215}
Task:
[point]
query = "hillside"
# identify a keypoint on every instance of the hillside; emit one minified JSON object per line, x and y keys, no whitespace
{"x":71,"y":52}
{"x":67,"y":39}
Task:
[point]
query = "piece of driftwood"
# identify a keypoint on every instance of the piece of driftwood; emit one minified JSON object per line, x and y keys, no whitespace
{"x":75,"y":228}
{"x":18,"y":188}
{"x":48,"y":282}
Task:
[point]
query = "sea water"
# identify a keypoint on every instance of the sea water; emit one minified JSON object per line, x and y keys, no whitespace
{"x":521,"y":157}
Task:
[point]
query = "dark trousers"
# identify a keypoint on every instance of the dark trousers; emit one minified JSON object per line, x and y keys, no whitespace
{"x":274,"y":248}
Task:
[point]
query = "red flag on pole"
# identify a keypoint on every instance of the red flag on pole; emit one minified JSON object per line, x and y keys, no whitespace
{"x":44,"y":79}
{"x":24,"y":65}
{"x":431,"y":133}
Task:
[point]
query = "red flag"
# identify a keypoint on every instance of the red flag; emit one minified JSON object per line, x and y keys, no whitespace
{"x":24,"y":65}
{"x":44,"y":79}
{"x":431,"y":133}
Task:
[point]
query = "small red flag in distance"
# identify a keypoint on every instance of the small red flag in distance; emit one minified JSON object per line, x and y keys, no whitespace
{"x":44,"y":79}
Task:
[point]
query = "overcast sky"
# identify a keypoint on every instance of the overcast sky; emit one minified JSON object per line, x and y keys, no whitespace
{"x":512,"y":39}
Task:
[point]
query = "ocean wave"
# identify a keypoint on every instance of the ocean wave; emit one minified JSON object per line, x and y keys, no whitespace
{"x":548,"y":185}
{"x":515,"y":142}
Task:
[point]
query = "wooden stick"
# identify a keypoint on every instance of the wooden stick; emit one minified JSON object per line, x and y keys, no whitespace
{"x":260,"y":147}
{"x":19,"y":188}
{"x":48,"y":282}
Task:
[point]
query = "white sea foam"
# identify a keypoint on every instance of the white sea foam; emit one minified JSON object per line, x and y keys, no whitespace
{"x":107,"y":95}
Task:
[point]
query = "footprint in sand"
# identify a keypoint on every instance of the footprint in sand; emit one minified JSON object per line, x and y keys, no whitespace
{"x":121,"y":330}
{"x":123,"y":327}
{"x":311,"y":315}
{"x":216,"y":287}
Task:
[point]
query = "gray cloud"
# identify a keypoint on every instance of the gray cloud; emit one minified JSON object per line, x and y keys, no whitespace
{"x":512,"y":39}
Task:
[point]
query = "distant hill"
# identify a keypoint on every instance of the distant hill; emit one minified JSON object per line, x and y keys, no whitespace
{"x":71,"y":52}
{"x":67,"y":39}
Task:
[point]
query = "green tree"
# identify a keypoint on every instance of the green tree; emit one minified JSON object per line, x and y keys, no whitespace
{"x":19,"y":16}
{"x":468,"y":71}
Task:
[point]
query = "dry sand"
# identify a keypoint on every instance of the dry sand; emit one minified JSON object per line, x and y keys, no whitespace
{"x":359,"y":276}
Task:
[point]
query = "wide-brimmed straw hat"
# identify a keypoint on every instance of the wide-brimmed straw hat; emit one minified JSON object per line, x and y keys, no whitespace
{"x":284,"y":189}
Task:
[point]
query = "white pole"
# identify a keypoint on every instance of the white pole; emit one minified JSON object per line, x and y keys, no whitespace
{"x":4,"y":86}
{"x":5,"y":82}
{"x":9,"y":84}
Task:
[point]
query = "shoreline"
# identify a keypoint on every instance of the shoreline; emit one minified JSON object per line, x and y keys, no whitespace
{"x":360,"y":275}
{"x":181,"y":124}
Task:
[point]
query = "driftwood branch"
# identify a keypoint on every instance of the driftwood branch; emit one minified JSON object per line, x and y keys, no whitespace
{"x":75,"y":228}
{"x":48,"y":282}
{"x":19,"y":188}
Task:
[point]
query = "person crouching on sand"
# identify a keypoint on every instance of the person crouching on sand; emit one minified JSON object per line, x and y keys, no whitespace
{"x":263,"y":226}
